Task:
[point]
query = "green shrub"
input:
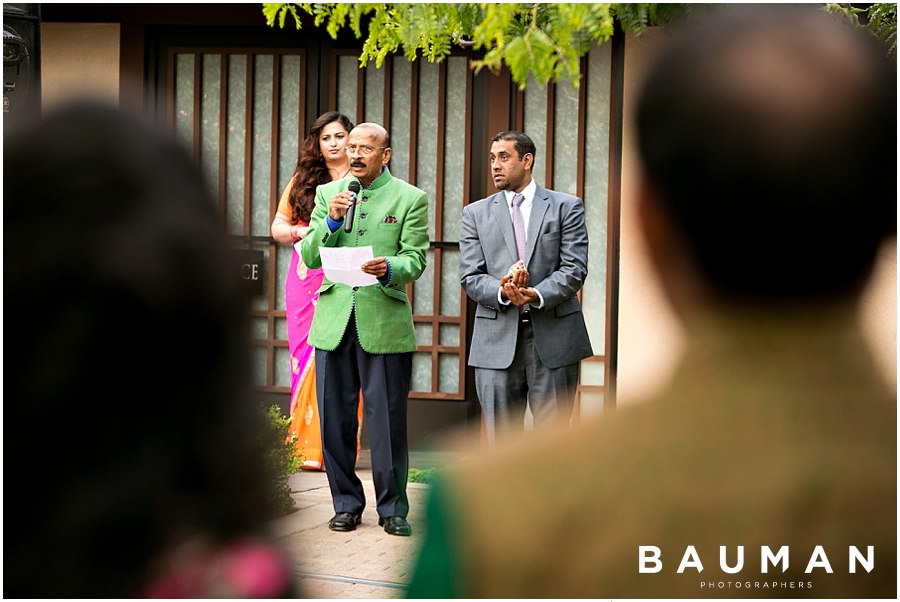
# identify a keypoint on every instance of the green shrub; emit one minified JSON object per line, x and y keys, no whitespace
{"x":420,"y":475}
{"x":282,"y":459}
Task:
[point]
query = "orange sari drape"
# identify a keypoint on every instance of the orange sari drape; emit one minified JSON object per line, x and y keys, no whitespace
{"x":305,"y":420}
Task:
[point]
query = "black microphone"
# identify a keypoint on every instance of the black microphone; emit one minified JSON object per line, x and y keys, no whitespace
{"x":348,"y":219}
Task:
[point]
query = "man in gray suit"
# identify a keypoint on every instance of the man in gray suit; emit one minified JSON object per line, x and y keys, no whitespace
{"x":523,"y":256}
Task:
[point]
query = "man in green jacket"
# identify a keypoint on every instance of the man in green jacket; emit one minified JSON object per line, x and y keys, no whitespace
{"x":364,"y":335}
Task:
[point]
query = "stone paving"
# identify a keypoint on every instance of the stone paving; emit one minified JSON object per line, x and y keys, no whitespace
{"x":365,"y":563}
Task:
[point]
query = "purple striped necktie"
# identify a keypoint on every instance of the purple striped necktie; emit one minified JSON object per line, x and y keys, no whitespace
{"x":519,"y":224}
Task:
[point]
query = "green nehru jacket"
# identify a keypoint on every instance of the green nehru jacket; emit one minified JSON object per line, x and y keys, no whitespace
{"x":393,"y":219}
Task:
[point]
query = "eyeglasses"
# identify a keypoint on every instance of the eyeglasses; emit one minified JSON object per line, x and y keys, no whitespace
{"x":364,"y":150}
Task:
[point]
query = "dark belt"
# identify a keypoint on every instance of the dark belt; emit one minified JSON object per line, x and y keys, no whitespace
{"x":525,"y":317}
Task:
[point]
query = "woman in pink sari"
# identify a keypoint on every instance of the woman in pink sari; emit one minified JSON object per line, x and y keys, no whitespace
{"x":322,"y":159}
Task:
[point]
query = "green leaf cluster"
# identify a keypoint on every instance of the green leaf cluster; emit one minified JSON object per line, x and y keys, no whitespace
{"x":541,"y":40}
{"x":422,"y":475}
{"x":879,"y":19}
{"x":882,"y":22}
{"x":545,"y":41}
{"x":281,"y":457}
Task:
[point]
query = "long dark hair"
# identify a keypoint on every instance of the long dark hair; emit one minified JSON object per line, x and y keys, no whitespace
{"x":311,"y":169}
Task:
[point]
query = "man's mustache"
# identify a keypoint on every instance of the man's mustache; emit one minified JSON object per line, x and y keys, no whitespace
{"x":357,"y":164}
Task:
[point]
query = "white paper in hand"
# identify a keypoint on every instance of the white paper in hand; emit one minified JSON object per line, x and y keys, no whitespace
{"x":342,"y":264}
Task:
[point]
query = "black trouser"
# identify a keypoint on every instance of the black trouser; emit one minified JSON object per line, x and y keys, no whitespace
{"x":384,"y":379}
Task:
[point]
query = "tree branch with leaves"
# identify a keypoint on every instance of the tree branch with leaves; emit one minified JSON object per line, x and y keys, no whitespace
{"x":879,"y":19}
{"x":542,"y":40}
{"x":546,"y":41}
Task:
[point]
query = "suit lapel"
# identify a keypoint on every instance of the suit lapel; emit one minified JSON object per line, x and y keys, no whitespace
{"x":500,"y":215}
{"x":538,"y":208}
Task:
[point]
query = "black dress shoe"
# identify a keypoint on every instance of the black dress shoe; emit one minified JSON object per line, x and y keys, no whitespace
{"x":344,"y":521}
{"x":395,"y":525}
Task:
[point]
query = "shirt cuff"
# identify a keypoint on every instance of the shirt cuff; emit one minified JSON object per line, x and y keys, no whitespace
{"x":540,"y":303}
{"x":500,"y":298}
{"x":333,"y":225}
{"x":384,"y":280}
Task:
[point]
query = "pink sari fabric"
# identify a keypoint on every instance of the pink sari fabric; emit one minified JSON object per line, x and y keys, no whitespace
{"x":301,"y":294}
{"x":246,"y":569}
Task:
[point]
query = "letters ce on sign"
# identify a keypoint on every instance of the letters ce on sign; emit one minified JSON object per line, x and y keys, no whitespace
{"x":251,"y":270}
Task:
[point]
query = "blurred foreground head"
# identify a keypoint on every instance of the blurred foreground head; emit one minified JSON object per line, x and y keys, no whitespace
{"x":768,"y":142}
{"x":127,"y":426}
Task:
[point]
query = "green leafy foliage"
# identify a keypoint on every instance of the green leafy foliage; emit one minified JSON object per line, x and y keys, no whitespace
{"x":422,"y":475}
{"x":282,"y":459}
{"x":542,"y":40}
{"x":545,"y":41}
{"x":882,"y":22}
{"x":280,"y":12}
{"x":879,"y":19}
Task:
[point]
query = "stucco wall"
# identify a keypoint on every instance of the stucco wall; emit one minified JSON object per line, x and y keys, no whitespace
{"x":79,"y":60}
{"x":879,"y":312}
{"x":650,"y":337}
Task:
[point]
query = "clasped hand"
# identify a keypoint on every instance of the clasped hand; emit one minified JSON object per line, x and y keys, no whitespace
{"x":515,"y":288}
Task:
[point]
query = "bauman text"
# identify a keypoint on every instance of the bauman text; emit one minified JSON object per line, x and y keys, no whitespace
{"x":650,"y":559}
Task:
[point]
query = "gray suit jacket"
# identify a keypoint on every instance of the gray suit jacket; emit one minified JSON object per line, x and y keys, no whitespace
{"x":556,"y":257}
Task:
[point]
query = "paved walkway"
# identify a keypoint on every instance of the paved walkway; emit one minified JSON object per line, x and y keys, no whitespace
{"x":365,"y":563}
